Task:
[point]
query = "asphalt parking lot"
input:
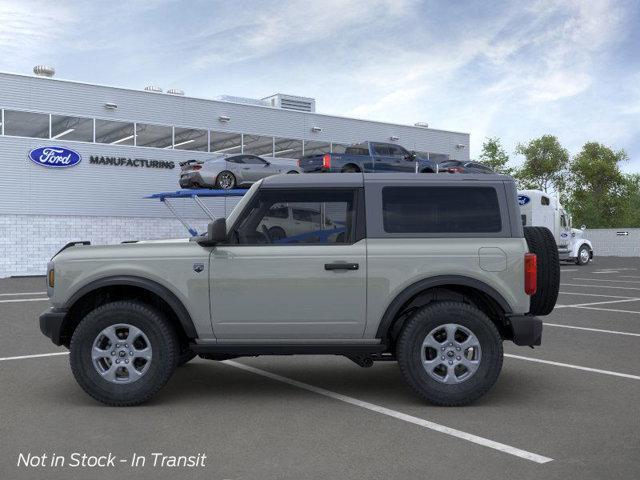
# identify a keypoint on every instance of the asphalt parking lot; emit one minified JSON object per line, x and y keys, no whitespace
{"x":569,"y":409}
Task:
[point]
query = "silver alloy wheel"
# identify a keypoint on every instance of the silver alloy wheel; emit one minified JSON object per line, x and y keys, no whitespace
{"x":121,"y":353}
{"x":226,"y":180}
{"x":584,"y":255}
{"x":451,"y":353}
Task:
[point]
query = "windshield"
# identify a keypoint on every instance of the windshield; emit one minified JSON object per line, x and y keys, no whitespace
{"x":233,"y":216}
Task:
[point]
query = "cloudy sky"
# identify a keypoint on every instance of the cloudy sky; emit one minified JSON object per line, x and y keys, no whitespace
{"x":515,"y":70}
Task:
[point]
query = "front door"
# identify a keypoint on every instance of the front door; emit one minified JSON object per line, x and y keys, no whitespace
{"x":276,"y":281}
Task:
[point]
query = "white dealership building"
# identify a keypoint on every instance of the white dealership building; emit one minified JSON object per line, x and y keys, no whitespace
{"x":128,"y":143}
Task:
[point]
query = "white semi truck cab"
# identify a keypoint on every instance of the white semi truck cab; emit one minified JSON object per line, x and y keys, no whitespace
{"x":540,"y":209}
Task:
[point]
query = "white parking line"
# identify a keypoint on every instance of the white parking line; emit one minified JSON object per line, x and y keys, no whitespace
{"x":575,"y":367}
{"x":599,"y":330}
{"x":604,"y":272}
{"x":569,"y":270}
{"x":598,"y":286}
{"x":22,"y":357}
{"x":395,"y":414}
{"x":610,"y":310}
{"x":22,"y":293}
{"x":593,"y":295}
{"x":15,"y":300}
{"x":606,"y":280}
{"x":597,"y":303}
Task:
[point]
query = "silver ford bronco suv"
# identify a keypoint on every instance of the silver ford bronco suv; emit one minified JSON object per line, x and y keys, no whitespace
{"x":431,"y":271}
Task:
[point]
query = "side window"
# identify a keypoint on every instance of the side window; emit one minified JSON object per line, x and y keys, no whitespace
{"x":381,"y":149}
{"x":397,"y":151}
{"x":544,"y":200}
{"x":235,"y":160}
{"x":278,"y":211}
{"x":318,"y":217}
{"x":441,"y":210}
{"x":253,"y":160}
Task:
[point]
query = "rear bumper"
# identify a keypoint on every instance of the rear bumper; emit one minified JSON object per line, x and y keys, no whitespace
{"x":527,"y":330}
{"x":51,"y":322}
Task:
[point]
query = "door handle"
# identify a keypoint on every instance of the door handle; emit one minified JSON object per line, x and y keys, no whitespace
{"x":341,"y":266}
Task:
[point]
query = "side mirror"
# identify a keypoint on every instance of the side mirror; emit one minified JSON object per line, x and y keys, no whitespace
{"x":216,"y":232}
{"x":267,"y":163}
{"x":583,"y":227}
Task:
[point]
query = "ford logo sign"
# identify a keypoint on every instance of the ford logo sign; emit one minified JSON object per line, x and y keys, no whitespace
{"x":523,"y":200}
{"x":56,"y":157}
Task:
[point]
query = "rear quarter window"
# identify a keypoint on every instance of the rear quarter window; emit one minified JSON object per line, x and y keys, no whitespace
{"x":441,"y":209}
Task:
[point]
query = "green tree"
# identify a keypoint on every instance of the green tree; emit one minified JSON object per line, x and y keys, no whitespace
{"x":494,"y":155}
{"x":599,"y":190}
{"x":545,"y":164}
{"x":631,"y":208}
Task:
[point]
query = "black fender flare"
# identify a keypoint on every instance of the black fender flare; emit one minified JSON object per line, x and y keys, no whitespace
{"x":414,"y":289}
{"x":150,"y":285}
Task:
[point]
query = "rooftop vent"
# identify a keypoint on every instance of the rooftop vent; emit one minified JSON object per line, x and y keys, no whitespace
{"x":422,"y":124}
{"x":153,"y":88}
{"x":44,"y":71}
{"x":292,"y":102}
{"x":175,"y":91}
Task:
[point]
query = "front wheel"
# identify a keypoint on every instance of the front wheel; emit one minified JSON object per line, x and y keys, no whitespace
{"x":123,"y":353}
{"x":584,"y":255}
{"x":450,"y":353}
{"x":225,"y":180}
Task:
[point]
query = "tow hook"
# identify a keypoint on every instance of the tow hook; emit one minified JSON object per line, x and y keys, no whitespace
{"x":363,"y":361}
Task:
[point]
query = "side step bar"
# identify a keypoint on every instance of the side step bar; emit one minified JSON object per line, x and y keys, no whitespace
{"x":287,"y":349}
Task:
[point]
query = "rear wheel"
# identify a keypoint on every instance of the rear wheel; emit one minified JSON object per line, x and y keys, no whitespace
{"x":584,"y":256}
{"x":225,"y":180}
{"x":349,"y":169}
{"x":277,"y":233}
{"x":123,"y":353}
{"x":541,"y":242}
{"x":450,"y":353}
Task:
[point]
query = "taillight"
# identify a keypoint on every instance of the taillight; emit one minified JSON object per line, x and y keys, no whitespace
{"x":455,"y":170}
{"x":298,"y":162}
{"x":530,"y":273}
{"x":196,"y":167}
{"x":326,"y":161}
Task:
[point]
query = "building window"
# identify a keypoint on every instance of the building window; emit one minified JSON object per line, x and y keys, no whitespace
{"x":287,"y":148}
{"x":114,"y":133}
{"x":338,"y":147}
{"x":72,"y":128}
{"x":190,"y":139}
{"x":225,"y":142}
{"x":258,"y":145}
{"x":312,"y":147}
{"x":26,"y":124}
{"x":441,"y":210}
{"x":157,"y":136}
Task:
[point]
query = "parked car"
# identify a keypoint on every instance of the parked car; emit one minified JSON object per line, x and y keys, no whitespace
{"x":461,"y":166}
{"x":369,"y":157}
{"x":284,"y":223}
{"x":405,"y":281}
{"x":231,"y":171}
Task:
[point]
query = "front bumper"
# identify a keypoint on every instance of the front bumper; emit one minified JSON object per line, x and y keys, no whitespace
{"x":527,"y":330}
{"x":51,"y":322}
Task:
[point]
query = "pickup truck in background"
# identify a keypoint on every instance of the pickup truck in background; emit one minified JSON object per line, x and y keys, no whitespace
{"x":369,"y":157}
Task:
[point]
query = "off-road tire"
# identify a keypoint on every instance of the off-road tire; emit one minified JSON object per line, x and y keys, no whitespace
{"x":541,"y":242}
{"x":409,"y":345}
{"x":164,"y":345}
